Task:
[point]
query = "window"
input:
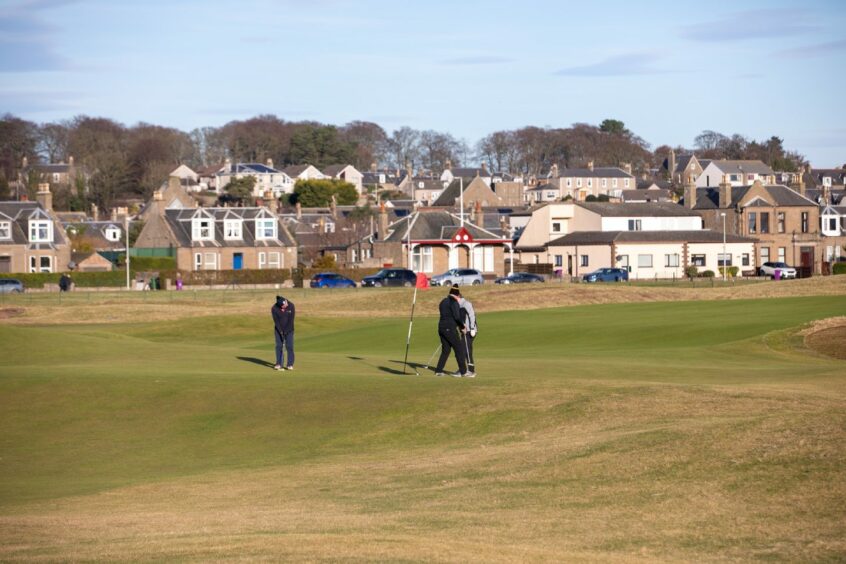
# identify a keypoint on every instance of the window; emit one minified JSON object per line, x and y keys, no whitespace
{"x":113,"y":234}
{"x":724,"y":259}
{"x":559,"y":260}
{"x":613,"y":183}
{"x":556,"y":227}
{"x":198,"y":261}
{"x":274,"y":260}
{"x":634,"y":225}
{"x":584,"y":261}
{"x":201,"y":229}
{"x":265,"y":229}
{"x":421,"y":259}
{"x":671,"y":261}
{"x":644,"y":261}
{"x":483,"y":258}
{"x":624,"y":261}
{"x":765,"y":254}
{"x":753,"y":222}
{"x":734,"y":177}
{"x":697,"y":260}
{"x":232,"y":230}
{"x":5,"y":229}
{"x":262,"y":260}
{"x":569,"y":183}
{"x":210,"y":261}
{"x":578,"y":183}
{"x":40,"y":231}
{"x":832,"y":226}
{"x":780,"y":221}
{"x":804,"y":222}
{"x":605,"y":183}
{"x":41,"y":264}
{"x":590,"y":183}
{"x":782,"y":254}
{"x":550,"y":195}
{"x":625,"y":183}
{"x":765,"y":222}
{"x":744,"y":259}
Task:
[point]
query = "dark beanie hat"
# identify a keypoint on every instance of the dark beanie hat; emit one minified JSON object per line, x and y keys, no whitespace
{"x":454,"y":291}
{"x":280,"y":300}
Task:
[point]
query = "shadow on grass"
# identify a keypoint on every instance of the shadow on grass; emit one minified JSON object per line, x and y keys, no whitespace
{"x":258,"y":361}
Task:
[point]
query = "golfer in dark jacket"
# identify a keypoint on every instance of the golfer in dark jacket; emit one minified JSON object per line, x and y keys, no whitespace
{"x":283,"y":329}
{"x":450,"y":328}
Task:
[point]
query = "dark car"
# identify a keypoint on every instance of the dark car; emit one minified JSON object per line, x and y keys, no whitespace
{"x":11,"y":285}
{"x":331,"y":280}
{"x":390,"y":277}
{"x":519,"y":278}
{"x":607,"y":275}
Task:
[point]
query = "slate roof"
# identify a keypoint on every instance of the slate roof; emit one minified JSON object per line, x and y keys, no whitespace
{"x":19,"y":213}
{"x":742,"y":167}
{"x":709,"y":198}
{"x":637,"y":209}
{"x":597,"y":172}
{"x":179,"y":222}
{"x":469,"y":172}
{"x":334,"y":170}
{"x":452,"y":193}
{"x":251,"y":168}
{"x":435,"y":226}
{"x":542,"y":187}
{"x":96,"y":230}
{"x":391,"y":177}
{"x":52,"y":167}
{"x":647,"y":184}
{"x":295,"y":170}
{"x":661,"y":194}
{"x":608,"y":237}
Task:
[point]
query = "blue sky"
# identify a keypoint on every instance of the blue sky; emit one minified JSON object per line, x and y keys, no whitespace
{"x":667,"y":69}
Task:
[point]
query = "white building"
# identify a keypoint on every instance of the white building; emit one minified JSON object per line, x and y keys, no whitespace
{"x":267,"y":177}
{"x":740,"y":173}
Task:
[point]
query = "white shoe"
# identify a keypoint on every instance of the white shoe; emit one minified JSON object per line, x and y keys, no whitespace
{"x":289,"y":368}
{"x":278,"y":367}
{"x":470,"y":375}
{"x":439,"y":374}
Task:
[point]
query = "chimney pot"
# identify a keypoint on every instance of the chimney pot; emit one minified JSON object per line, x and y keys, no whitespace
{"x":270,"y":162}
{"x":44,"y":196}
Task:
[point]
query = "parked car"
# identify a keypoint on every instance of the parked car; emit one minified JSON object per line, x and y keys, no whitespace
{"x":520,"y":278}
{"x":331,"y":280}
{"x":390,"y":277}
{"x":10,"y":286}
{"x":769,"y":269}
{"x":606,"y":275}
{"x":458,"y":277}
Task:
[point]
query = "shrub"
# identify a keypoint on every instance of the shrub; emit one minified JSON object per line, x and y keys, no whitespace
{"x":731,"y":272}
{"x":707,"y":274}
{"x":691,"y":271}
{"x":113,"y":279}
{"x":839,"y":268}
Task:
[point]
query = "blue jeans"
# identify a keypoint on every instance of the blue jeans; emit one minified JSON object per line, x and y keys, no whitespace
{"x":288,"y":343}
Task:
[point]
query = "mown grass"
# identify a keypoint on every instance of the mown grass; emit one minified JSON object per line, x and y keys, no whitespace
{"x":669,"y":430}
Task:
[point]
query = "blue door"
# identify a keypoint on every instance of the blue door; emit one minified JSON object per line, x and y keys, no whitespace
{"x":237,"y":261}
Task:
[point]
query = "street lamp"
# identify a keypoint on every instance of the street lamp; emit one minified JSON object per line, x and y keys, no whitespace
{"x":725,"y":268}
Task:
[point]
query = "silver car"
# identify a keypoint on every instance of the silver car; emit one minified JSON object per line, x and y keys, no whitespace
{"x":458,"y":277}
{"x":11,"y":285}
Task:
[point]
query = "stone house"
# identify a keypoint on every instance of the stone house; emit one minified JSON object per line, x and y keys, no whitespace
{"x":32,"y":238}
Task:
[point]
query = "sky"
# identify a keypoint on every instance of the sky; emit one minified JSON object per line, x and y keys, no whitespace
{"x":669,"y":70}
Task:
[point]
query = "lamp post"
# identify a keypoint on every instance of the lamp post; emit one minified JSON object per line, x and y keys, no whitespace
{"x":126,"y":231}
{"x":725,"y":267}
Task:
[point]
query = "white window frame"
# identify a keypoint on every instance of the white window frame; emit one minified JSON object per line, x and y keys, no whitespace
{"x":233,"y":229}
{"x":584,"y":261}
{"x":782,"y":254}
{"x":5,"y":230}
{"x":262,"y":224}
{"x":274,"y":260}
{"x":202,"y":229}
{"x":613,"y":183}
{"x":578,"y":183}
{"x":724,"y":259}
{"x":635,"y":225}
{"x":642,"y":262}
{"x":765,"y":254}
{"x":209,"y":261}
{"x":40,"y":231}
{"x":694,"y":259}
{"x":625,"y":183}
{"x":421,"y":259}
{"x":483,"y":258}
{"x":671,"y":260}
{"x":556,"y":227}
{"x":198,"y":261}
{"x":262,"y":260}
{"x":569,"y":183}
{"x":113,"y":234}
{"x":36,"y":263}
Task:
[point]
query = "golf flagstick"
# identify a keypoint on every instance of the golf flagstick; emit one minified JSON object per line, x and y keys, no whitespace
{"x":408,"y":339}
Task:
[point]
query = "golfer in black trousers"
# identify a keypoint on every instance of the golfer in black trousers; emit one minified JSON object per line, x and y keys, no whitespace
{"x":450,"y":329}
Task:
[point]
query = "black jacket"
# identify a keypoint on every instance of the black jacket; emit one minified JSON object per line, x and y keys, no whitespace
{"x":283,"y":320}
{"x":450,"y":314}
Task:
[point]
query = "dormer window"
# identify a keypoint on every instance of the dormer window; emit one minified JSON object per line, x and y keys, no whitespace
{"x":265,"y":229}
{"x":112,"y":234}
{"x":5,"y":230}
{"x":40,"y":231}
{"x":201,"y":229}
{"x":232,"y":230}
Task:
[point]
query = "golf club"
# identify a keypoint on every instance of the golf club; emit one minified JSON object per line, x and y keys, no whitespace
{"x":470,"y":366}
{"x":428,"y":364}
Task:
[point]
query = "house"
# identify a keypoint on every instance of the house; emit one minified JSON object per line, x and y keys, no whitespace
{"x":510,"y":192}
{"x":90,"y":262}
{"x":173,"y":194}
{"x":683,"y":168}
{"x":449,"y":174}
{"x":651,"y":254}
{"x":347,"y":173}
{"x":432,"y":241}
{"x":32,"y":239}
{"x":267,"y":178}
{"x":834,"y":178}
{"x":477,"y":190}
{"x":784,"y":222}
{"x":833,"y":229}
{"x":207,"y":176}
{"x":652,"y":194}
{"x":220,"y":238}
{"x":542,"y":193}
{"x":579,"y":183}
{"x":740,"y":173}
{"x":302,"y":172}
{"x":187,"y":177}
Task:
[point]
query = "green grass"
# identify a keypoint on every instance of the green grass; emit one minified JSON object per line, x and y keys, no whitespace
{"x":581,"y":415}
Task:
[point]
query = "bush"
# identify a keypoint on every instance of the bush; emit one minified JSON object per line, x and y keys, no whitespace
{"x":151,"y":263}
{"x":691,"y":271}
{"x":212,"y":277}
{"x":839,"y":268}
{"x":731,"y":272}
{"x":114,"y":279}
{"x":707,"y":274}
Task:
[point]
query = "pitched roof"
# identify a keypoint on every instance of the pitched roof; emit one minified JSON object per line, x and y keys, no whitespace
{"x":435,"y":226}
{"x":295,"y":170}
{"x":452,"y":193}
{"x":469,"y":172}
{"x":709,"y":198}
{"x":637,"y":209}
{"x":597,"y":172}
{"x":661,"y":194}
{"x":741,"y":167}
{"x":179,"y":221}
{"x":19,"y":213}
{"x":608,"y":237}
{"x":335,"y":169}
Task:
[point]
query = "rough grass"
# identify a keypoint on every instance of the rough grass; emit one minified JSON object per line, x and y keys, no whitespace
{"x":638,"y":432}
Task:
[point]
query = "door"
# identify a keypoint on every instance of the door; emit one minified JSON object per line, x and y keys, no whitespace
{"x":806,"y":259}
{"x":237,"y":261}
{"x":5,"y":264}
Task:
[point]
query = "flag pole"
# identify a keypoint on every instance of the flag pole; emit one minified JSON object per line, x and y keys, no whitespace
{"x":408,"y":338}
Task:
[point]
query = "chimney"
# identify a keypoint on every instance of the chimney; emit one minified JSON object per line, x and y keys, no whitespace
{"x":590,"y":166}
{"x":671,"y":164}
{"x":725,"y":192}
{"x":227,"y":164}
{"x":374,"y":167}
{"x":24,"y":162}
{"x":480,"y":215}
{"x":628,"y":168}
{"x":689,"y":193}
{"x":299,"y":210}
{"x":383,"y":222}
{"x":95,"y":212}
{"x":272,"y":202}
{"x":269,"y":162}
{"x":113,"y":216}
{"x":826,"y":195}
{"x":45,"y":197}
{"x":333,"y":207}
{"x":448,"y":164}
{"x":408,"y":170}
{"x":554,"y":170}
{"x":70,"y":161}
{"x":485,"y":167}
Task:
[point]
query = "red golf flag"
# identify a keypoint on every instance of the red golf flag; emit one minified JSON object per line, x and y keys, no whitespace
{"x":422,"y":281}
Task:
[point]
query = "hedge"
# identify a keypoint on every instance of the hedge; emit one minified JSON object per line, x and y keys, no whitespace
{"x":839,"y":268}
{"x":114,"y":279}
